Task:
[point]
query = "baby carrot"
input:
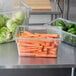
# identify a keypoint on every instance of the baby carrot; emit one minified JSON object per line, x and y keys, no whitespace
{"x":38,"y":47}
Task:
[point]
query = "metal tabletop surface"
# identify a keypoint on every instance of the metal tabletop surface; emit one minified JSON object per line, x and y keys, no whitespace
{"x":9,"y":58}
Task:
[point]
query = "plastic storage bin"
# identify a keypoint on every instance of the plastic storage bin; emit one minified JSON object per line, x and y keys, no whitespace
{"x":66,"y":36}
{"x":38,"y":41}
{"x":10,"y":19}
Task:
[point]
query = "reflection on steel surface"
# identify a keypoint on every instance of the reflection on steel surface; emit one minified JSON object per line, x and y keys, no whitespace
{"x":36,"y":60}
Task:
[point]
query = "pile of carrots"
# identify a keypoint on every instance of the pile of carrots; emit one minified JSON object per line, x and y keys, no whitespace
{"x":40,"y":45}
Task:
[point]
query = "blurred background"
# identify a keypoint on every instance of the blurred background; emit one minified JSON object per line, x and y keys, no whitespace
{"x":43,"y":18}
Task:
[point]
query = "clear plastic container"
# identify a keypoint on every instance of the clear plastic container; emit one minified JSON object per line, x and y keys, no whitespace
{"x":5,"y":4}
{"x":10,"y":19}
{"x":66,"y":36}
{"x":43,"y":41}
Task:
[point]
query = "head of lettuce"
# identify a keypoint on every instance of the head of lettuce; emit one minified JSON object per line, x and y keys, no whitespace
{"x":5,"y":34}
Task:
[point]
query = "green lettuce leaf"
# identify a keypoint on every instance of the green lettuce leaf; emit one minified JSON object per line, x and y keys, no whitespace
{"x":11,"y":25}
{"x":19,"y":17}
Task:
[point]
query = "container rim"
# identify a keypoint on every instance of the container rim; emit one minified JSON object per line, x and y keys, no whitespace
{"x":38,"y":38}
{"x":49,"y":23}
{"x":60,"y":38}
{"x":68,"y":21}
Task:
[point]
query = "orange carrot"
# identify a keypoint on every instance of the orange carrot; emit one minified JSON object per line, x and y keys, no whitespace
{"x":38,"y":47}
{"x":53,"y":35}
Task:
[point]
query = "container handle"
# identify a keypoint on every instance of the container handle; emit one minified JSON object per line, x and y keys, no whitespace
{"x":21,"y":2}
{"x":49,"y":23}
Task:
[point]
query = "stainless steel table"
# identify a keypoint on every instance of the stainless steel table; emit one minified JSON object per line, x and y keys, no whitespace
{"x":9,"y":58}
